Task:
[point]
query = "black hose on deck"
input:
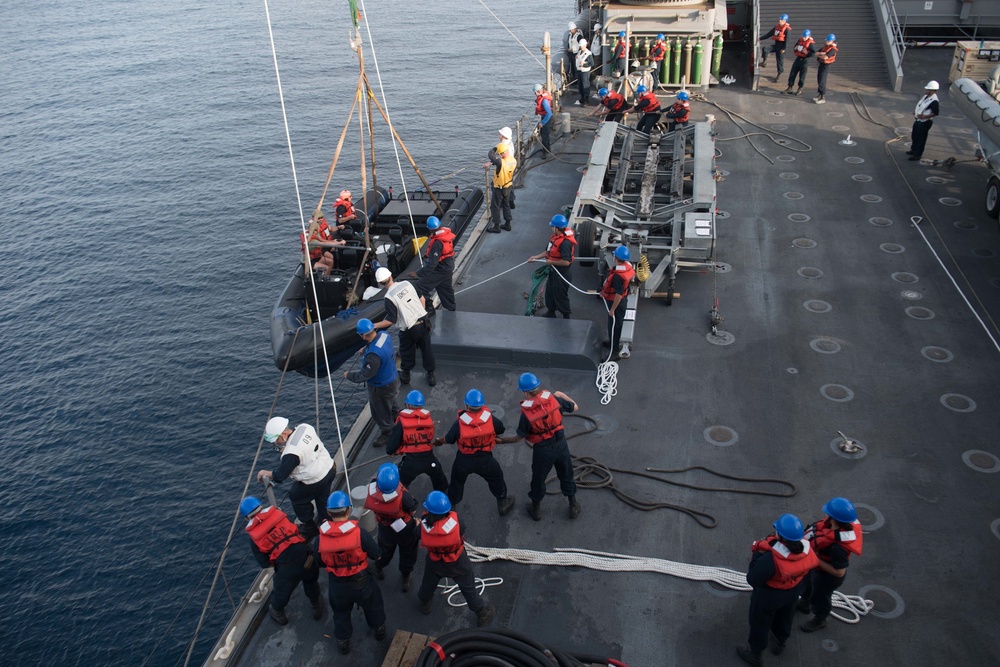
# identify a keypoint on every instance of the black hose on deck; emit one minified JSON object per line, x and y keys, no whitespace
{"x":498,"y":646}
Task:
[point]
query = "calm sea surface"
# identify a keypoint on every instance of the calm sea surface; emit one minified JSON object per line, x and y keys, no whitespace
{"x":148,"y":222}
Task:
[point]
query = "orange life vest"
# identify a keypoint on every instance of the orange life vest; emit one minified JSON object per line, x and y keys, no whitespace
{"x":789,"y":568}
{"x":614,"y":101}
{"x":272,"y":532}
{"x":802,"y":47}
{"x":657,"y":52}
{"x":418,"y":431}
{"x":654,"y":102}
{"x":349,"y":208}
{"x":620,"y":49}
{"x":447,"y":239}
{"x":443,"y":541}
{"x":831,"y":53}
{"x":340,"y":548}
{"x":387,"y":510}
{"x":825,"y":535}
{"x":681,"y":105}
{"x":322,"y":233}
{"x":780,"y":33}
{"x":545,"y":95}
{"x":626,"y":271}
{"x":554,"y":251}
{"x":544,"y":417}
{"x":475,"y":431}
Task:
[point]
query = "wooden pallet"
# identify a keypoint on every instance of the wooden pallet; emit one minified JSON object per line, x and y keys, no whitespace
{"x":405,"y":649}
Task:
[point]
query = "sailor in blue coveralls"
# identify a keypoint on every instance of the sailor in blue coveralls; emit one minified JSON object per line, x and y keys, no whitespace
{"x":378,"y":371}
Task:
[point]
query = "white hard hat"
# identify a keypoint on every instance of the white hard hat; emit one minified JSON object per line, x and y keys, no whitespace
{"x":538,"y":88}
{"x":597,"y":26}
{"x":382,"y":275}
{"x":506,"y":133}
{"x":572,"y":26}
{"x":583,"y":42}
{"x":275,"y":427}
{"x":931,"y":85}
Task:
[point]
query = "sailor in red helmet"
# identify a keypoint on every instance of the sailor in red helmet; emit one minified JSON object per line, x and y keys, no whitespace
{"x":804,"y":49}
{"x":442,"y":535}
{"x":276,"y":542}
{"x":413,"y":437}
{"x":778,"y":567}
{"x":834,"y":539}
{"x":393,"y":507}
{"x":345,"y":549}
{"x":614,"y":291}
{"x":438,"y":265}
{"x":559,"y":255}
{"x":475,"y":432}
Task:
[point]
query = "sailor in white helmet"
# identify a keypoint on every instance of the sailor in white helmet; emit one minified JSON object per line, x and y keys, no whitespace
{"x":573,"y":47}
{"x":405,"y":307}
{"x":306,"y":461}
{"x":927,"y":108}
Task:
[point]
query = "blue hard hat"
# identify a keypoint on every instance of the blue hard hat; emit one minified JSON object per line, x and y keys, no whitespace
{"x":338,"y":500}
{"x":807,"y":33}
{"x":683,"y":96}
{"x":528,"y":381}
{"x":365,"y":326}
{"x":783,"y":17}
{"x":437,"y":503}
{"x":602,"y":92}
{"x":789,"y":527}
{"x":640,"y":89}
{"x":622,"y":253}
{"x":433,"y":222}
{"x":621,"y":34}
{"x":661,"y":36}
{"x":841,"y":509}
{"x":415,"y":398}
{"x":250,"y":503}
{"x":387,"y":478}
{"x":475,"y":399}
{"x":831,"y":37}
{"x":558,"y":221}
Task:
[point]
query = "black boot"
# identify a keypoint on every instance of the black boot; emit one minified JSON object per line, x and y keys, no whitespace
{"x":425,"y":607}
{"x":788,"y":91}
{"x":407,"y":581}
{"x":574,"y":507}
{"x":317,"y":608}
{"x":485,"y":615}
{"x":431,"y":380}
{"x":750,"y":657}
{"x":377,"y":571}
{"x":278,"y":615}
{"x":535,"y":511}
{"x":505,"y":226}
{"x":813,"y":624}
{"x":493,"y":229}
{"x":504,"y":505}
{"x":404,"y":377}
{"x":380,"y":632}
{"x":777,"y":646}
{"x":344,"y":645}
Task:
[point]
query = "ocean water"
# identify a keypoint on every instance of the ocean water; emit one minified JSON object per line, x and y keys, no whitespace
{"x":148,"y":222}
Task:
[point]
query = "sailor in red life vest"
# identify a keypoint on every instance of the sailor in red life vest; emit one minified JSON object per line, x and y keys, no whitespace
{"x":803,"y":50}
{"x":834,"y":539}
{"x":276,"y":542}
{"x":346,"y":216}
{"x":656,"y":55}
{"x":679,"y":111}
{"x":475,"y":431}
{"x":780,"y":36}
{"x":344,"y":548}
{"x":321,"y":245}
{"x":620,"y":55}
{"x":647,"y":102}
{"x":438,"y":266}
{"x":413,"y":437}
{"x":559,"y":256}
{"x":393,"y":507}
{"x":614,"y":104}
{"x":778,"y":567}
{"x":614,"y":291}
{"x":543,"y":108}
{"x":442,"y":535}
{"x":826,"y":57}
{"x":405,"y":308}
{"x":306,"y":461}
{"x":541,"y":426}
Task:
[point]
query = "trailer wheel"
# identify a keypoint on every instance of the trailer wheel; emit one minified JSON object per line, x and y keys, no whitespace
{"x":993,"y":197}
{"x":586,"y":237}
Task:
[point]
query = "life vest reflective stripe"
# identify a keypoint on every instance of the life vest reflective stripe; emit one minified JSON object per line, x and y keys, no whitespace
{"x":620,"y":49}
{"x":627,"y":272}
{"x":388,"y":507}
{"x":545,"y":95}
{"x":554,"y":250}
{"x":544,"y":417}
{"x":272,"y":532}
{"x":418,"y":431}
{"x":475,"y":431}
{"x":346,"y":203}
{"x":447,"y":239}
{"x":831,"y":53}
{"x":340,"y":548}
{"x":789,"y":568}
{"x":443,"y":541}
{"x":653,"y":102}
{"x":681,"y":105}
{"x":408,"y":309}
{"x":314,"y":459}
{"x":924,"y":106}
{"x":382,"y":347}
{"x":614,"y":101}
{"x":802,"y":47}
{"x":825,"y":535}
{"x":658,"y":51}
{"x":781,"y":32}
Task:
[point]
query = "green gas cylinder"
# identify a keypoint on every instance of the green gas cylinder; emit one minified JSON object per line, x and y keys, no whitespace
{"x":696,"y":69}
{"x":716,"y":55}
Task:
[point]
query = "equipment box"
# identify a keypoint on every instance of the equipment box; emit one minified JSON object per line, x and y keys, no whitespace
{"x":974,"y":60}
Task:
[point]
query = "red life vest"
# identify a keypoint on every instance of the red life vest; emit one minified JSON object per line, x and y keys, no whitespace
{"x":614,"y":101}
{"x":340,"y":548}
{"x":447,"y":239}
{"x":418,"y":431}
{"x":657,"y":52}
{"x":620,"y":49}
{"x":626,"y":271}
{"x":654,"y":102}
{"x":554,"y":251}
{"x":802,"y":47}
{"x":349,"y":208}
{"x":444,"y":540}
{"x":387,"y":510}
{"x":475,"y":431}
{"x":831,"y":53}
{"x":825,"y":535}
{"x":272,"y":532}
{"x":681,"y":105}
{"x":544,"y":416}
{"x":323,"y":233}
{"x":545,"y":95}
{"x":781,"y":32}
{"x":789,"y":568}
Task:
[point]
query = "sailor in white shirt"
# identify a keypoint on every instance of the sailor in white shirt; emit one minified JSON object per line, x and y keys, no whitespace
{"x":403,"y":306}
{"x":927,"y":108}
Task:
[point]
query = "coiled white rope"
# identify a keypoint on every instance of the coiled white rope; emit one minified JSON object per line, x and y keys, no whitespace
{"x":451,"y":590}
{"x":854,"y":605}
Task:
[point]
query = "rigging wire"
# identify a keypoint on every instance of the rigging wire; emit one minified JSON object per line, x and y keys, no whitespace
{"x":511,"y":33}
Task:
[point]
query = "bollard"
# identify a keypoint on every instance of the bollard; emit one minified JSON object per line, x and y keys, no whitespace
{"x":366,"y":518}
{"x":564,"y":121}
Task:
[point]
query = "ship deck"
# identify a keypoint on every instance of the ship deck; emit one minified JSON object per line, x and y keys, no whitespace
{"x":841,"y":319}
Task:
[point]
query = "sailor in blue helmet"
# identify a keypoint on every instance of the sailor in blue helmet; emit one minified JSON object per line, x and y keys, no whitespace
{"x":620,"y":54}
{"x":393,"y":507}
{"x":541,"y":425}
{"x":656,"y":55}
{"x":804,"y":49}
{"x":826,"y":57}
{"x":680,"y":111}
{"x":438,"y":265}
{"x":614,"y":292}
{"x":834,"y":538}
{"x":779,"y":565}
{"x":405,"y":308}
{"x":647,"y":102}
{"x":613,"y":103}
{"x":559,"y":255}
{"x":475,"y":432}
{"x":378,"y":372}
{"x":779,"y":33}
{"x":442,"y":536}
{"x":344,"y":548}
{"x":413,"y":437}
{"x":276,"y":542}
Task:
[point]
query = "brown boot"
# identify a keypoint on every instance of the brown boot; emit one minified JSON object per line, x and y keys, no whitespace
{"x":504,"y":505}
